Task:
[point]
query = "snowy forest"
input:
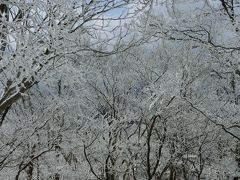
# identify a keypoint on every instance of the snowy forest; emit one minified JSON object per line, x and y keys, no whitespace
{"x":119,"y":89}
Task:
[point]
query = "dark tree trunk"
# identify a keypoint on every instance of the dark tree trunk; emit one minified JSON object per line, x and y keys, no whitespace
{"x":4,"y":16}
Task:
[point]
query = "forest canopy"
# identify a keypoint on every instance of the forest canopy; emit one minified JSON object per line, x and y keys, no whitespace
{"x":119,"y":89}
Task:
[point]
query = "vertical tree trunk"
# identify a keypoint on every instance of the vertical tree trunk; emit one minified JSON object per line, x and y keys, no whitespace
{"x":29,"y":171}
{"x":108,"y":168}
{"x":30,"y":167}
{"x":56,"y":177}
{"x":4,"y":16}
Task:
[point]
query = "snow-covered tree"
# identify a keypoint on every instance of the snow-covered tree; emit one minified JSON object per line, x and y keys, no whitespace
{"x":150,"y":93}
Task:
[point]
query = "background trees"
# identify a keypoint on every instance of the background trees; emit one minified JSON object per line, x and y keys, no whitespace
{"x":149,"y":93}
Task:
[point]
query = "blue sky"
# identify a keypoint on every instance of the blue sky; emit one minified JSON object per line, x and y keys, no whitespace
{"x":115,"y":12}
